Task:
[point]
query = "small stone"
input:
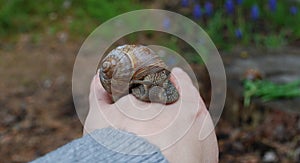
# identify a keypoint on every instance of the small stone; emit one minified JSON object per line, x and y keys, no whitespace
{"x":270,"y":156}
{"x":60,"y":80}
{"x":62,"y":37}
{"x":67,"y":4}
{"x":238,"y":146}
{"x":23,"y":106}
{"x":298,"y":124}
{"x":297,"y":155}
{"x":47,"y":83}
{"x":244,"y":54}
{"x":9,"y":119}
{"x":280,"y":132}
{"x":52,"y":16}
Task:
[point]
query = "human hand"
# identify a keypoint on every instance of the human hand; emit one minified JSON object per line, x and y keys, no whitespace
{"x":183,"y":131}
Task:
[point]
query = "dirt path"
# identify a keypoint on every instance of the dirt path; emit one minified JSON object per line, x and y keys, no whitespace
{"x":37,"y":113}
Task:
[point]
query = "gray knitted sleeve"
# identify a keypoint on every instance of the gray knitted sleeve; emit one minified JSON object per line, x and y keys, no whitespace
{"x":106,"y":145}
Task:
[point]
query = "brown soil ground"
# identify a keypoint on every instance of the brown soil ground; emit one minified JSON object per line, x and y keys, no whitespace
{"x":37,"y":114}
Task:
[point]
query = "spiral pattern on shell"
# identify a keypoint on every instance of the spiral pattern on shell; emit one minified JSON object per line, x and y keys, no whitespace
{"x":138,"y":70}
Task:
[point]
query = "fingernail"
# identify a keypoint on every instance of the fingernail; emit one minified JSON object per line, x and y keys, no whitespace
{"x":177,"y":70}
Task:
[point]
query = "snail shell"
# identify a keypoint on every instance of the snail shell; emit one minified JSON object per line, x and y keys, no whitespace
{"x":138,"y":70}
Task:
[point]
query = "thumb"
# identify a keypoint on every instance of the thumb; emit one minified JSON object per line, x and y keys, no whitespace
{"x":183,"y":83}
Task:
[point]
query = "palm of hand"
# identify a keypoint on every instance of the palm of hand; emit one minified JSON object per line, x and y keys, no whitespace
{"x":183,"y":130}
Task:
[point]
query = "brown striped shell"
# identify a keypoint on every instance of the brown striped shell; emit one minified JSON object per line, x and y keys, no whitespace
{"x":138,"y":70}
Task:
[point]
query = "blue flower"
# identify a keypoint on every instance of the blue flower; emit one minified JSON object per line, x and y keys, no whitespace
{"x":293,"y":10}
{"x":229,"y":6}
{"x":184,"y":3}
{"x":238,"y":33}
{"x":239,"y":2}
{"x":254,"y":12}
{"x":197,"y":11}
{"x":272,"y":5}
{"x":208,"y":8}
{"x":166,"y":23}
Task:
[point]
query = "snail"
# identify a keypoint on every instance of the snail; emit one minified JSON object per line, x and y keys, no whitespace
{"x":138,"y":70}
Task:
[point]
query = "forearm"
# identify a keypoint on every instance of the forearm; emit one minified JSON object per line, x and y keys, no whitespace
{"x":106,"y":145}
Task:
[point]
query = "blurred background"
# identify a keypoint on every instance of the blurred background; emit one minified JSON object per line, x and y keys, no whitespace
{"x":258,"y":40}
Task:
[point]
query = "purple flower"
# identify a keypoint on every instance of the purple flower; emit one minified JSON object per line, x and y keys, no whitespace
{"x":239,"y":2}
{"x":229,"y":6}
{"x":197,"y":11}
{"x":184,"y":3}
{"x":254,"y":12}
{"x":272,"y":5}
{"x":293,"y":10}
{"x":238,"y":33}
{"x":166,"y":23}
{"x":208,"y":8}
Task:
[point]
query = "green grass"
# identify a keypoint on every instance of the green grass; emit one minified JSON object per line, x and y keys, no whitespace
{"x":268,"y":91}
{"x":80,"y":17}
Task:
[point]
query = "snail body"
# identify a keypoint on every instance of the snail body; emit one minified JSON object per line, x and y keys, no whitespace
{"x":136,"y":69}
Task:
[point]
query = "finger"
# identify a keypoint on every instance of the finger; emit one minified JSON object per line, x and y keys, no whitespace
{"x":207,"y":136}
{"x":180,"y":73}
{"x":98,"y":100}
{"x":137,"y":108}
{"x":98,"y":92}
{"x":185,"y":86}
{"x":206,"y":125}
{"x":130,"y":99}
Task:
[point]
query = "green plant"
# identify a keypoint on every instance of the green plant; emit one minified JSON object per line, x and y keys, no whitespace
{"x":214,"y":26}
{"x":274,"y":41}
{"x":106,"y":9}
{"x":21,"y":16}
{"x":246,"y":22}
{"x":267,"y":90}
